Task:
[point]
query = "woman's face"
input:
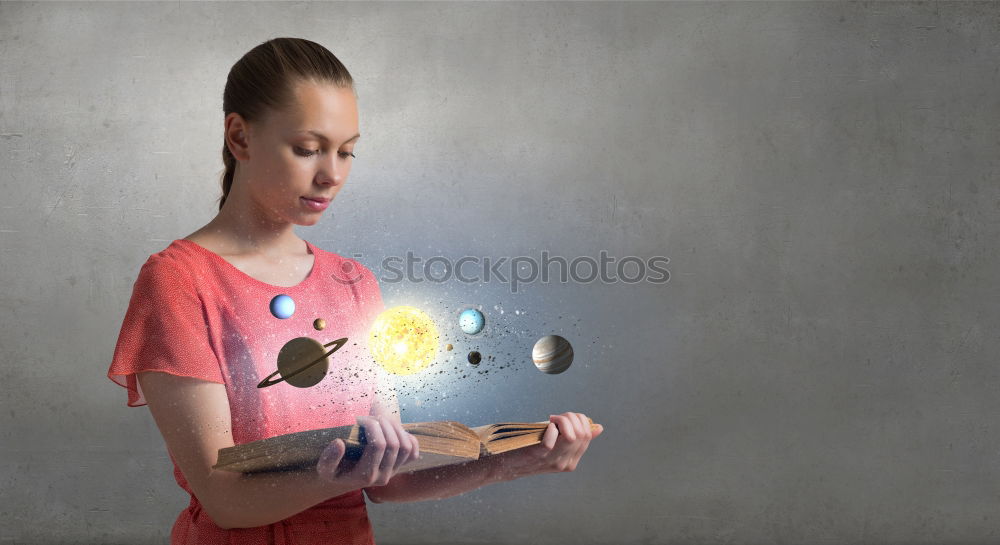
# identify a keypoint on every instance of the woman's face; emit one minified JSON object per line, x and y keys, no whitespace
{"x":302,"y":153}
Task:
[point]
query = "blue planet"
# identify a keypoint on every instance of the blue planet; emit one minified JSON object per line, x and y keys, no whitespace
{"x":471,"y":321}
{"x":282,"y":306}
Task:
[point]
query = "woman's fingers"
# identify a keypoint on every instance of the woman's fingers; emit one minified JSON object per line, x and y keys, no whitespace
{"x":390,"y":447}
{"x":584,"y":435}
{"x":565,"y":425}
{"x":407,"y":440}
{"x":550,"y":435}
{"x":330,"y":458}
{"x":585,"y":422}
{"x":574,"y":436}
{"x":371,"y":459}
{"x":571,"y":430}
{"x":415,"y":453}
{"x":402,"y":442}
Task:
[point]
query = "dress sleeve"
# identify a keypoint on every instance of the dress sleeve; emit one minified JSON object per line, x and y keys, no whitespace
{"x":164,"y":329}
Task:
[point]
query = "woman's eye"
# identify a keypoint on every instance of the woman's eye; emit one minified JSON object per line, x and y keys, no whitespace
{"x":309,"y":153}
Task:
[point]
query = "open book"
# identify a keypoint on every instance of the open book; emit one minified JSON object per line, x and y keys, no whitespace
{"x":441,"y":443}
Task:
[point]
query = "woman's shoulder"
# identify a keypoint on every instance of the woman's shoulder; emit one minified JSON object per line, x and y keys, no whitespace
{"x":177,"y":263}
{"x":178,"y":253}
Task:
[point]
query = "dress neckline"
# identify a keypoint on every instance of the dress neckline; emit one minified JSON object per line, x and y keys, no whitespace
{"x":313,"y":272}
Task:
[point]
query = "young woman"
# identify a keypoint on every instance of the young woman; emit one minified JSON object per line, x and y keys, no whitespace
{"x":199,"y":336}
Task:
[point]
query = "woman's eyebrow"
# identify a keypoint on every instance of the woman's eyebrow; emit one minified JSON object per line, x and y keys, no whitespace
{"x":323,"y":137}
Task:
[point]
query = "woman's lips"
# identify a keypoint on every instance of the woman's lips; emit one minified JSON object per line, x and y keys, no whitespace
{"x":316,"y":204}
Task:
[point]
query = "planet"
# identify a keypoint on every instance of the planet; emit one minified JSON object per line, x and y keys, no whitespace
{"x":319,"y":324}
{"x":302,"y":362}
{"x":552,"y":354}
{"x":403,"y":340}
{"x":282,"y":306}
{"x":471,"y":321}
{"x":475,"y":357}
{"x":448,"y":347}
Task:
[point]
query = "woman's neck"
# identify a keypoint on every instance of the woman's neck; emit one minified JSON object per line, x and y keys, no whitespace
{"x":248,"y":233}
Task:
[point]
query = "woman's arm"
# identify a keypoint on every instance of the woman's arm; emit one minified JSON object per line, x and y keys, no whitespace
{"x":193,"y":416}
{"x":563,"y":443}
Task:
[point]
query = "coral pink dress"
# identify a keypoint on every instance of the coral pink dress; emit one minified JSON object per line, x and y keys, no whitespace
{"x":194,"y":314}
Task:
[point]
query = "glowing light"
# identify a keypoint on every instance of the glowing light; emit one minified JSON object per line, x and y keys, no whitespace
{"x":403,"y":340}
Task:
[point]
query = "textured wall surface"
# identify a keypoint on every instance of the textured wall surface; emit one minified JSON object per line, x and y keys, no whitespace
{"x":824,"y":178}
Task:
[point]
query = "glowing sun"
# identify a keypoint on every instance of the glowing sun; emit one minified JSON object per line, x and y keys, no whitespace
{"x":403,"y":340}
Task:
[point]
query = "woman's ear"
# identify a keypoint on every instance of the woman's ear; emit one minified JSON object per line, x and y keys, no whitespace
{"x":236,"y":136}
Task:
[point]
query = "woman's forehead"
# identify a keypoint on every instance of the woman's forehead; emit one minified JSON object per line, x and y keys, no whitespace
{"x":309,"y":98}
{"x":316,"y":127}
{"x":329,"y":111}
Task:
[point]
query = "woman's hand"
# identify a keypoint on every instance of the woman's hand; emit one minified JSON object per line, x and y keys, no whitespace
{"x":387,"y":448}
{"x":565,"y":440}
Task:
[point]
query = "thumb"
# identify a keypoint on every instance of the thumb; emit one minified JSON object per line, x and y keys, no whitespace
{"x":599,"y":430}
{"x":331,"y":456}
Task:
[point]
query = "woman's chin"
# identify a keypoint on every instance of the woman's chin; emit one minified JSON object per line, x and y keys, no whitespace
{"x":308,"y":219}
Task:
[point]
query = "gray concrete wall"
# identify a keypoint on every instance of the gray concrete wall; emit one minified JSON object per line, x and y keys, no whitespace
{"x":823,"y":177}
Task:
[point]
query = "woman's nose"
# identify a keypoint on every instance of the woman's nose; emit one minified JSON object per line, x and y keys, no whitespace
{"x":331,"y":171}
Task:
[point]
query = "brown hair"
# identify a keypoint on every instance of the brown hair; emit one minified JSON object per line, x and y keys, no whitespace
{"x":263,"y":80}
